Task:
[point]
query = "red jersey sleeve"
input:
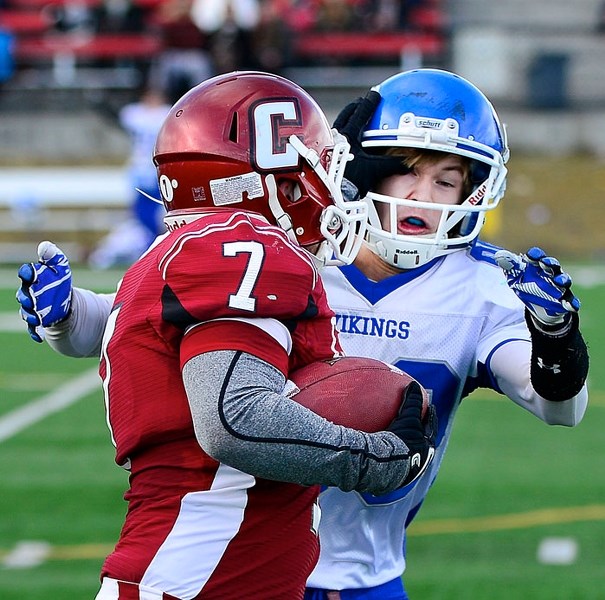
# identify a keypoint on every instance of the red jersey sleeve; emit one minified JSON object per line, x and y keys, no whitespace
{"x":229,"y":334}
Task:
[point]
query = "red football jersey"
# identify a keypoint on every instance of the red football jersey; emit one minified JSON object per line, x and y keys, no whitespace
{"x":196,"y":528}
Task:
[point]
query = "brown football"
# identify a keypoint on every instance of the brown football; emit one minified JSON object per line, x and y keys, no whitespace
{"x":362,"y":393}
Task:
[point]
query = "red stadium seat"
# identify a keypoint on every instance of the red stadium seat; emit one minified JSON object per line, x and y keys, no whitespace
{"x":100,"y":46}
{"x":367,"y":45}
{"x":24,"y":22}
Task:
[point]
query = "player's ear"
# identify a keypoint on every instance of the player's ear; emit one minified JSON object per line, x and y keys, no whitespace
{"x":286,"y":187}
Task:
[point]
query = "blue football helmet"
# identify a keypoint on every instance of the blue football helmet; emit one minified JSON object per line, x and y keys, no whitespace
{"x":434,"y":109}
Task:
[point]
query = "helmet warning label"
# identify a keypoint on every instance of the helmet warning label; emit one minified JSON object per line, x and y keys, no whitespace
{"x":231,"y":190}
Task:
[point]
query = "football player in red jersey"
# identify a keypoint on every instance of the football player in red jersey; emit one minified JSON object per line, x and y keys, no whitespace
{"x":204,"y":329}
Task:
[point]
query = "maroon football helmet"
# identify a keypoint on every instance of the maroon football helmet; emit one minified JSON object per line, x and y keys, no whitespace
{"x":234,"y":140}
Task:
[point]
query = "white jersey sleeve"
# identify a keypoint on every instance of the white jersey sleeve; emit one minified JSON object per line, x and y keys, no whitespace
{"x":81,"y":334}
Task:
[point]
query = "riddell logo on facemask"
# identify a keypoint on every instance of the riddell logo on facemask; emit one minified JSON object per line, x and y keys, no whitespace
{"x":400,"y":253}
{"x":478,"y":195}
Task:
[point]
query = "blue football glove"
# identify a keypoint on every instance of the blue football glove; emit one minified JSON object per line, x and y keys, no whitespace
{"x":45,"y":292}
{"x":540,"y":283}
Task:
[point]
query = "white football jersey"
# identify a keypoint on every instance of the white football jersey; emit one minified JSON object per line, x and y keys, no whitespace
{"x":142,"y":123}
{"x":439,"y":323}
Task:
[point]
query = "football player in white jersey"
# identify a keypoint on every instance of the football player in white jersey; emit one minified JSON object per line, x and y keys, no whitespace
{"x":429,"y":164}
{"x":141,"y":120}
{"x":426,"y":295}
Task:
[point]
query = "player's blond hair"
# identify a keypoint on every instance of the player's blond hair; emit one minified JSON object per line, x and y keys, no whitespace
{"x":412,"y":157}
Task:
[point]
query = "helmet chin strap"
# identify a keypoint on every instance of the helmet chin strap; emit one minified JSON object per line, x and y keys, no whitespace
{"x":281,"y":217}
{"x":285,"y":223}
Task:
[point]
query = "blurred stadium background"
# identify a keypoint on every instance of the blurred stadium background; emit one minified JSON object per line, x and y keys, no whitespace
{"x":518,"y":511}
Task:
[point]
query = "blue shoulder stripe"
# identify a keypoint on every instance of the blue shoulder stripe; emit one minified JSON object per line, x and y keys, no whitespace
{"x":373,"y":291}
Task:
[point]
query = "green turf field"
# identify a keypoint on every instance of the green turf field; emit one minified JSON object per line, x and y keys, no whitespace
{"x":508,"y":482}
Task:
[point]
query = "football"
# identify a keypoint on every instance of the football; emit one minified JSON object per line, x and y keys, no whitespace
{"x":362,"y":393}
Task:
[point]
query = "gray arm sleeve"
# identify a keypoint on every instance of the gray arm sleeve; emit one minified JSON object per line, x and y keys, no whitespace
{"x":81,"y":334}
{"x":242,"y":419}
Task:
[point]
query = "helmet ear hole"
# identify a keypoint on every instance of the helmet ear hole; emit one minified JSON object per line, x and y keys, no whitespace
{"x":479,"y":172}
{"x":290,"y":189}
{"x":468,"y":224}
{"x":233,"y":129}
{"x":296,"y":193}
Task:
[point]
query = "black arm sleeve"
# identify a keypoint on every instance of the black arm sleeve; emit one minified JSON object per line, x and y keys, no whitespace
{"x":559,"y":359}
{"x":242,"y":419}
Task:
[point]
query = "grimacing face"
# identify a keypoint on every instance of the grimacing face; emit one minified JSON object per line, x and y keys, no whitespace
{"x":434,"y":177}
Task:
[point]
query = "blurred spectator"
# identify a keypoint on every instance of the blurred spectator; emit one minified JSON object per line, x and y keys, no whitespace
{"x":231,"y":27}
{"x":7,"y":61}
{"x":336,"y":15}
{"x":301,"y":15}
{"x":392,"y":15}
{"x":385,"y":14}
{"x":71,"y":16}
{"x":142,"y":121}
{"x":272,"y":37}
{"x":601,"y":18}
{"x":185,"y":59}
{"x":119,"y":16}
{"x":279,"y":22}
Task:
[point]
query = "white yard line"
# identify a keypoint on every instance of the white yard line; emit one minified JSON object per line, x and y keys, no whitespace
{"x":64,"y":396}
{"x":11,"y":321}
{"x":588,"y":276}
{"x":27,"y":554}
